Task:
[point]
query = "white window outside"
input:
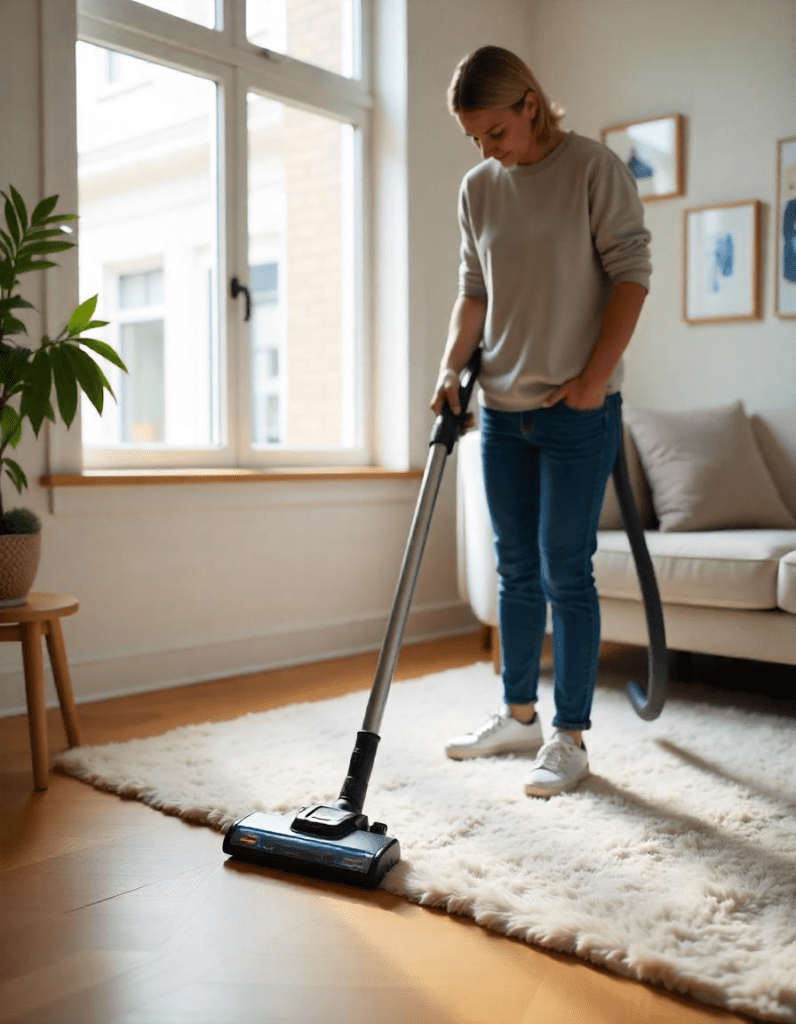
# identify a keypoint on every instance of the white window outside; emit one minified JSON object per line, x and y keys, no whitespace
{"x":203,"y":157}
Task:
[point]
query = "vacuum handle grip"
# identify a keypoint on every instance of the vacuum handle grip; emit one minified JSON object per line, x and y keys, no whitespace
{"x":448,"y":426}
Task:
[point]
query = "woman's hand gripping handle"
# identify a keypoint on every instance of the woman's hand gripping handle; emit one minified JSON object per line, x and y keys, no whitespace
{"x":451,"y":400}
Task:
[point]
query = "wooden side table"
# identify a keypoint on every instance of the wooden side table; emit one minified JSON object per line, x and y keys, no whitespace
{"x":28,"y":623}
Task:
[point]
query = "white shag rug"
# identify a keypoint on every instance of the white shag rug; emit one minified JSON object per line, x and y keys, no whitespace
{"x":674,"y":863}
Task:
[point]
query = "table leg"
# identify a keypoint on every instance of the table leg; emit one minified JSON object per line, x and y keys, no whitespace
{"x":37,"y":714}
{"x":63,"y":684}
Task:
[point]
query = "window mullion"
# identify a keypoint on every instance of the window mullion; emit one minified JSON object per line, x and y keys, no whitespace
{"x":142,"y":27}
{"x":146,"y":23}
{"x":237,"y":391}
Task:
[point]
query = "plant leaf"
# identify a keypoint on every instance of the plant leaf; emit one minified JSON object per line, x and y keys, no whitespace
{"x":65,"y":384}
{"x":101,"y":376}
{"x":81,"y":316}
{"x":13,"y":326}
{"x":104,"y":350}
{"x":106,"y":383}
{"x":6,"y":275}
{"x":11,"y":220}
{"x":58,"y":218}
{"x":27,"y":264}
{"x":88,"y":374}
{"x":19,"y":206}
{"x":43,"y":248}
{"x":15,"y":302}
{"x":35,"y":403}
{"x":43,"y":209}
{"x":10,"y":426}
{"x":15,"y":474}
{"x":12,"y":366}
{"x":35,"y":234}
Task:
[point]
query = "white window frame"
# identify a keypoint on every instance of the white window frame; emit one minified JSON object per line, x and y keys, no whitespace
{"x":227,"y":57}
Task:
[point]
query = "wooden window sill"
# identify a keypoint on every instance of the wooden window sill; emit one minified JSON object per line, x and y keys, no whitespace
{"x":139,"y":478}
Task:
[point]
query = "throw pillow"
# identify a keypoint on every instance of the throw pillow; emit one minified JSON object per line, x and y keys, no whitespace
{"x":705,"y":470}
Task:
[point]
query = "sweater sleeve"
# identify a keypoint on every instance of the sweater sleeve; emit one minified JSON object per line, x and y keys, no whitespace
{"x":617,"y":222}
{"x":471,"y":274}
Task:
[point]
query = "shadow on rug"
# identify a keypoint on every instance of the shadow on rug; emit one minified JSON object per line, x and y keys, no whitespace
{"x":674,"y":863}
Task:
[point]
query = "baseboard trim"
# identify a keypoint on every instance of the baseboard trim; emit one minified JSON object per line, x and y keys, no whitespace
{"x":143,"y":671}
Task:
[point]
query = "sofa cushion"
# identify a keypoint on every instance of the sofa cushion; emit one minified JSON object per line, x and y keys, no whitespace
{"x":786,"y":583}
{"x":720,"y":569}
{"x":705,"y":470}
{"x":775,"y":433}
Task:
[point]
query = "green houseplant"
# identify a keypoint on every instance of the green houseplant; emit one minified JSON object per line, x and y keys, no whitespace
{"x":29,"y":373}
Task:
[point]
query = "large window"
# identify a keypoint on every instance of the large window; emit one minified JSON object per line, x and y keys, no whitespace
{"x":222,"y":142}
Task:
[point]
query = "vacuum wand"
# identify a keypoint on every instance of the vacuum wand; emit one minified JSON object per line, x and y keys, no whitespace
{"x":445,"y":432}
{"x":336,"y":841}
{"x":444,"y":435}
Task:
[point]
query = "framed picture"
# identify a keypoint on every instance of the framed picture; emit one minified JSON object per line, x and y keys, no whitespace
{"x":722,"y":262}
{"x":653,"y":151}
{"x":786,"y":228}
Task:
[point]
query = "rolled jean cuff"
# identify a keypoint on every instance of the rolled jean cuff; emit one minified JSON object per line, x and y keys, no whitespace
{"x":567,"y":727}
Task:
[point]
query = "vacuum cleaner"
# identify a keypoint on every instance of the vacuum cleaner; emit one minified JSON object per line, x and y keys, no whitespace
{"x":337,"y":842}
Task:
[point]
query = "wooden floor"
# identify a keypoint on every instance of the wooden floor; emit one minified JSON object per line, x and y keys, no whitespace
{"x":112,"y":913}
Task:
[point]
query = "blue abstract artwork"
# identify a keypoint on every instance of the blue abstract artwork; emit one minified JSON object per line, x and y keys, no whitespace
{"x":789,"y":241}
{"x":637,"y":167}
{"x":722,"y":259}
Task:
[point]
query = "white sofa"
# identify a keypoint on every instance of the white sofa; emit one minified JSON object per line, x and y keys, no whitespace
{"x":728,"y":586}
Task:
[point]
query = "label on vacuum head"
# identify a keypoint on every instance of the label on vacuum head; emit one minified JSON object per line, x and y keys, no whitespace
{"x":273,"y":835}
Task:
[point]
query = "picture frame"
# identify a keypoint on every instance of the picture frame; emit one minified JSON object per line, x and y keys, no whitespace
{"x":785,"y":287}
{"x":721,"y":262}
{"x":652,"y":151}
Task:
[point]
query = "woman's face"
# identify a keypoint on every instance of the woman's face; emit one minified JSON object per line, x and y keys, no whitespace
{"x":503,"y":134}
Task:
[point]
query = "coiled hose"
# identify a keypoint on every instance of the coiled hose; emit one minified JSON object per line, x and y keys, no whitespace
{"x":650,"y":704}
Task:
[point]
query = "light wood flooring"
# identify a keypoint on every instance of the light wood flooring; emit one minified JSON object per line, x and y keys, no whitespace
{"x":113,"y":913}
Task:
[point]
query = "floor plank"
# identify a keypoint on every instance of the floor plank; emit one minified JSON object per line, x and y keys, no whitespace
{"x":116,"y":914}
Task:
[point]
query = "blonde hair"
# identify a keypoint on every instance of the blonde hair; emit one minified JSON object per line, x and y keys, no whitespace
{"x":492,"y":78}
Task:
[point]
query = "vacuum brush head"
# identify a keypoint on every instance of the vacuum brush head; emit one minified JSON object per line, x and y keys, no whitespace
{"x":322,"y":842}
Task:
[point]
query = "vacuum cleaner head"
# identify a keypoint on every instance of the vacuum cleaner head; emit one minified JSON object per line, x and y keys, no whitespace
{"x":322,"y":842}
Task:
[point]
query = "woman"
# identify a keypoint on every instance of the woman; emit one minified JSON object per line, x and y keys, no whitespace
{"x":554,"y":271}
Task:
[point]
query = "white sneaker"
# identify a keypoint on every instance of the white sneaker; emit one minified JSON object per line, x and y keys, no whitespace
{"x":502,"y":734}
{"x":559,"y":766}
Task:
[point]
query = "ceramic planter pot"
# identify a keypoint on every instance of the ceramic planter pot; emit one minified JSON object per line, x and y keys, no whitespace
{"x":19,"y":563}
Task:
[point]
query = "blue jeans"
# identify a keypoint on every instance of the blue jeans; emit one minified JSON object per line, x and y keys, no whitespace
{"x":545,"y":473}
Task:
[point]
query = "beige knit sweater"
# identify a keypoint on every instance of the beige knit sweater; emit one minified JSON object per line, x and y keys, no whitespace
{"x":545,"y":244}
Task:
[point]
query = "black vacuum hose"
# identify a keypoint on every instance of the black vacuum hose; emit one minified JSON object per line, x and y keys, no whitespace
{"x":650,"y":704}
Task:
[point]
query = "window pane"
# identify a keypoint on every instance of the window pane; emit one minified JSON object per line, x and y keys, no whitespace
{"x":302,"y":331}
{"x":142,"y":399}
{"x":148,"y":245}
{"x":316,"y":31}
{"x":141,"y":289}
{"x":202,"y":12}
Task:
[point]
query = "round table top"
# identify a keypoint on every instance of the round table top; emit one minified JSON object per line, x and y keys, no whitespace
{"x":40,"y":606}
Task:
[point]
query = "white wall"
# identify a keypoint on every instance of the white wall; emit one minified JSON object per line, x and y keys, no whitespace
{"x":730,"y":67}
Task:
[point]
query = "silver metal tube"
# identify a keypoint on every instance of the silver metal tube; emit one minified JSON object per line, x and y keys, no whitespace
{"x":413,"y":554}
